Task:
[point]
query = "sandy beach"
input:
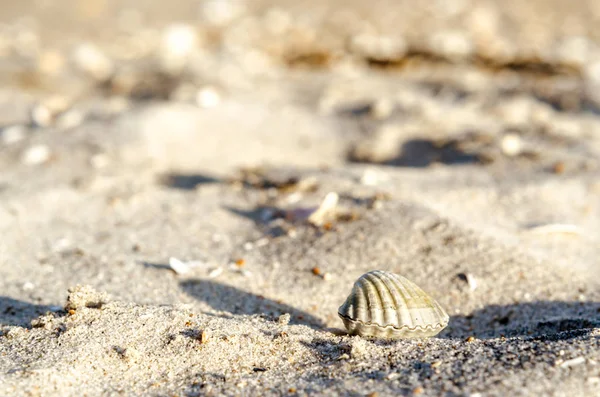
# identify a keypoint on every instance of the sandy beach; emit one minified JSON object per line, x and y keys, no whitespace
{"x":160,"y":168}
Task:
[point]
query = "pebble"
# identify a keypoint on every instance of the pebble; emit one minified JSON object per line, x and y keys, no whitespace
{"x":41,"y":116}
{"x":51,"y":62}
{"x":277,"y":21}
{"x":221,"y":12}
{"x":382,"y":109}
{"x":453,"y":45}
{"x":178,"y":42}
{"x":208,"y":97}
{"x":90,"y":59}
{"x":372,"y":177}
{"x":70,"y":119}
{"x":13,"y":134}
{"x":36,"y":155}
{"x":511,"y":145}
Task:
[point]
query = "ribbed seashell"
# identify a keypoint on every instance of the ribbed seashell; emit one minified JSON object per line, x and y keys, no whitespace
{"x":386,"y":305}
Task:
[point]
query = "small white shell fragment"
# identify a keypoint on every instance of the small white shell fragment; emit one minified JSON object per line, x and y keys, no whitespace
{"x":325,"y":210}
{"x":572,"y":362}
{"x":36,"y":155}
{"x":181,"y":267}
{"x":41,"y":116}
{"x":564,"y":228}
{"x":386,"y":305}
{"x":100,"y":160}
{"x":70,"y":119}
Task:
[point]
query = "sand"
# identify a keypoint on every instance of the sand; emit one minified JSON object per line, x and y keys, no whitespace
{"x":155,"y":238}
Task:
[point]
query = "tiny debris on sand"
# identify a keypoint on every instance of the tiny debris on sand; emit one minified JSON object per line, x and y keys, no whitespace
{"x":292,"y":147}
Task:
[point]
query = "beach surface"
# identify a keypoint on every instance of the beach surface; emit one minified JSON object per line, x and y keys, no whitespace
{"x":160,"y":166}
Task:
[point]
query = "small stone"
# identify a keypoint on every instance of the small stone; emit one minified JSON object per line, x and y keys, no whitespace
{"x":99,"y":161}
{"x":41,"y":116}
{"x":316,"y":271}
{"x":277,"y":21}
{"x":371,"y":177}
{"x":451,"y":44}
{"x":208,"y":97}
{"x":92,"y":61}
{"x":382,"y":109}
{"x":511,"y":145}
{"x":13,"y":134}
{"x":178,"y":42}
{"x":36,"y":155}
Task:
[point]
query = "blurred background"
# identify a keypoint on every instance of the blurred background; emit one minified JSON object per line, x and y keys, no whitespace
{"x":408,"y":84}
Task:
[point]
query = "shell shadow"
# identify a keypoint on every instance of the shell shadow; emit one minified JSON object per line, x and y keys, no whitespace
{"x":14,"y":312}
{"x":186,"y":181}
{"x":230,"y":299}
{"x":421,"y":152}
{"x":565,"y":320}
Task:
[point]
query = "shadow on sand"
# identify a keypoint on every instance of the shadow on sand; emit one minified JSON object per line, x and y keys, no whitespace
{"x":18,"y":313}
{"x":532,"y":319}
{"x":186,"y":181}
{"x":230,"y":299}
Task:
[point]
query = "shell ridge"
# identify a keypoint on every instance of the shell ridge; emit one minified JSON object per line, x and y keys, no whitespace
{"x":390,"y":288}
{"x":372,"y":281}
{"x":416,"y":327}
{"x":405,"y":295}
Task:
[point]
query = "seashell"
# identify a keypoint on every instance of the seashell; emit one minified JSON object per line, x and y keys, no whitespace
{"x":386,"y":305}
